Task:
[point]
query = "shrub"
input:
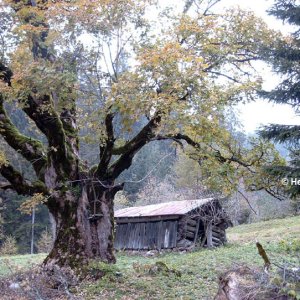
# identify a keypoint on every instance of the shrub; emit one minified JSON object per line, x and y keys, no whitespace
{"x":45,"y":243}
{"x":9,"y":246}
{"x":290,"y":246}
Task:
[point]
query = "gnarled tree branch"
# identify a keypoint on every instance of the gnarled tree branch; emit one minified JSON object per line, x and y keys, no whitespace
{"x":133,"y":146}
{"x":32,"y":150}
{"x":106,"y":151}
{"x":19,"y":184}
{"x":41,"y":111}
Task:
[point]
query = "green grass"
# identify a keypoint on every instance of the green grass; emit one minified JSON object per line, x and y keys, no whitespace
{"x":272,"y":230}
{"x":199,"y":273}
{"x":12,"y":264}
{"x":200,"y":269}
{"x":132,"y":277}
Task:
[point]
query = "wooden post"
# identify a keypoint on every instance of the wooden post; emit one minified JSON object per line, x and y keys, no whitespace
{"x":209,"y":235}
{"x":32,"y":231}
{"x":196,"y":232}
{"x":176,"y":233}
{"x":160,"y":238}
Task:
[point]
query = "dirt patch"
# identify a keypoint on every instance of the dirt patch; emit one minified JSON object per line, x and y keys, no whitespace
{"x":37,"y":284}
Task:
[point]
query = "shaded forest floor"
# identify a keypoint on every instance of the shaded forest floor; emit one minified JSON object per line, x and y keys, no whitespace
{"x":184,"y":276}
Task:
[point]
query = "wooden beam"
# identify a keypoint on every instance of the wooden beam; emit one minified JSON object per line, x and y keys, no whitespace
{"x":190,"y":235}
{"x":192,"y":222}
{"x":159,"y":238}
{"x":216,"y":239}
{"x":120,"y":220}
{"x":217,"y":229}
{"x":191,"y":228}
{"x":209,"y":235}
{"x":197,"y":230}
{"x":217,"y":234}
{"x":176,"y":233}
{"x":216,"y":242}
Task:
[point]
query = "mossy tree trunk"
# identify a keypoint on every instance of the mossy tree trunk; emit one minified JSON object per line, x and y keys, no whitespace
{"x":79,"y":198}
{"x":84,"y":227}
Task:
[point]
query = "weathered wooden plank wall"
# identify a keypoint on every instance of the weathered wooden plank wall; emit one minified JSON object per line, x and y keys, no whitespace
{"x":143,"y":236}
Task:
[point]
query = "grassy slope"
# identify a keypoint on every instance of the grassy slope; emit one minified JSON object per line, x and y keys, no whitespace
{"x":200,"y":270}
{"x":272,"y":230}
{"x":130,"y":279}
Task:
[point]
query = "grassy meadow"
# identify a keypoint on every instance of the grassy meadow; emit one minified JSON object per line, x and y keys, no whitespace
{"x":192,"y":275}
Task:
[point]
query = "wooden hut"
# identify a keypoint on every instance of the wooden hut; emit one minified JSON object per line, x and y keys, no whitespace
{"x":176,"y":224}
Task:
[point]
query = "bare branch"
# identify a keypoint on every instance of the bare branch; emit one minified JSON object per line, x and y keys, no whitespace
{"x":150,"y":172}
{"x":225,"y":75}
{"x":247,"y":200}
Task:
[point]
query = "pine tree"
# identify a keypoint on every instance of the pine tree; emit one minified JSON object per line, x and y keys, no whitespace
{"x":285,"y":59}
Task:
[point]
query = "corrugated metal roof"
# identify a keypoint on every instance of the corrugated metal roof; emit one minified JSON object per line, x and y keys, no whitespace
{"x":162,"y":209}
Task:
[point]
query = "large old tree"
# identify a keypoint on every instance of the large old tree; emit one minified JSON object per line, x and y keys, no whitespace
{"x":119,"y":75}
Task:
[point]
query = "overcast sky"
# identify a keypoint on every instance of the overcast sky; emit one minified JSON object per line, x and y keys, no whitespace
{"x":254,"y":114}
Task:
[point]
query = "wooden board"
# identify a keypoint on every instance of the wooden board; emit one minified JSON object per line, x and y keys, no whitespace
{"x":190,"y":235}
{"x":191,"y":222}
{"x":124,"y":220}
{"x":209,"y":235}
{"x":191,"y":228}
{"x":143,"y":236}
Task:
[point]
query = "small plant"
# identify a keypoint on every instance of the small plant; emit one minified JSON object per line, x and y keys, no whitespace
{"x":121,"y":199}
{"x":98,"y":269}
{"x":154,"y":269}
{"x":9,"y":246}
{"x":291,"y":245}
{"x":45,"y":243}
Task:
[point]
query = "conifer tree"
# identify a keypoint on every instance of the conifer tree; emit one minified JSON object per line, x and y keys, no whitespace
{"x":285,"y":59}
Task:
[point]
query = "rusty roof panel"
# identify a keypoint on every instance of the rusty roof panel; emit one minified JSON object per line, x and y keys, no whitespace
{"x":161,"y":209}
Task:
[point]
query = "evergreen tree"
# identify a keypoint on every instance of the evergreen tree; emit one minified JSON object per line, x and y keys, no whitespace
{"x":285,"y":59}
{"x":18,"y":224}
